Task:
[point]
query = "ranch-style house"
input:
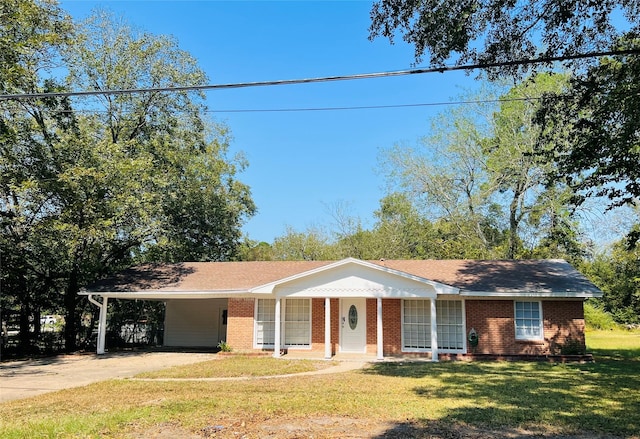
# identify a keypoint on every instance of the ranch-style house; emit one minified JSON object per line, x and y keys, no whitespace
{"x":374,"y":309}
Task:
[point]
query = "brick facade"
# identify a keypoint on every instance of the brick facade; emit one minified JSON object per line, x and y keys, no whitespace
{"x":563,"y":322}
{"x":240,"y":324}
{"x":492,"y":319}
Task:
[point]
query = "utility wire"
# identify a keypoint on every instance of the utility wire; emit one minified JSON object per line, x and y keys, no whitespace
{"x":443,"y":69}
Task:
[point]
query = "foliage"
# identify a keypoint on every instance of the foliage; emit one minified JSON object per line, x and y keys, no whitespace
{"x":600,"y":149}
{"x":300,"y":246}
{"x":618,"y":276}
{"x":493,"y":31}
{"x":590,"y":128}
{"x":479,"y":173}
{"x":90,"y":186}
{"x":596,"y":318}
{"x":224,"y":346}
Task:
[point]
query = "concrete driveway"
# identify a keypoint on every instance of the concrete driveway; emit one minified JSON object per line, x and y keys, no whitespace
{"x":23,"y":379}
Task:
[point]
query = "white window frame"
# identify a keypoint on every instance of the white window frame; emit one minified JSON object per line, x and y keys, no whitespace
{"x":461,"y":326}
{"x":426,"y":327}
{"x":258,"y":326}
{"x":524,"y":317}
{"x":304,"y":324}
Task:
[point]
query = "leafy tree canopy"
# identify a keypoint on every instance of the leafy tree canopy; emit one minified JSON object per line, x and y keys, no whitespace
{"x":498,"y":31}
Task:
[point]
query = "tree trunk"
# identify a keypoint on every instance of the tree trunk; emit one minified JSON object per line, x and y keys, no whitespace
{"x":70,"y":304}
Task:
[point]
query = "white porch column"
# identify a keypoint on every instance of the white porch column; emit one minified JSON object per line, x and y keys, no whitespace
{"x":102,"y":323}
{"x":380,"y":353}
{"x":434,"y":331}
{"x":327,"y":328}
{"x":276,"y":335}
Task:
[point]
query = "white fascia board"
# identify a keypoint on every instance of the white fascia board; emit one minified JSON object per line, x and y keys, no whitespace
{"x":541,"y":294}
{"x":166,"y":295}
{"x":439,"y":287}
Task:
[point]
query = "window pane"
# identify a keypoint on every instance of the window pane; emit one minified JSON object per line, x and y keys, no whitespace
{"x":416,"y":324}
{"x":450,"y":326}
{"x":265,"y":324}
{"x":297,"y":330}
{"x":528,"y":320}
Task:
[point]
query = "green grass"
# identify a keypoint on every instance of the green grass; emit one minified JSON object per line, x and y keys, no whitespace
{"x":614,"y":344}
{"x":600,"y":397}
{"x":239,"y":366}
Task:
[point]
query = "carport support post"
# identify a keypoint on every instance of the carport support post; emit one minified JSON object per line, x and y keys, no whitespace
{"x":327,"y":328}
{"x":276,"y":335}
{"x":434,"y":331}
{"x":102,"y":323}
{"x":380,"y":353}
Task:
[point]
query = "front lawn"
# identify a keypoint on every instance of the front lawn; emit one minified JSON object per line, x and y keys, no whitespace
{"x":412,"y":399}
{"x":236,"y":366}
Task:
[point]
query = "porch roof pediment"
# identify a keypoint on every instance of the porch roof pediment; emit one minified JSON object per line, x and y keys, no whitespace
{"x":355,"y":278}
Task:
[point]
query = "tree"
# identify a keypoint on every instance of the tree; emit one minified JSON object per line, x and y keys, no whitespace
{"x":514,"y":169}
{"x":31,"y":37}
{"x":597,"y":111}
{"x":495,"y":31}
{"x":312,"y":245}
{"x":447,"y":174}
{"x":617,"y":274}
{"x":479,"y":172}
{"x":99,"y":183}
{"x":600,"y":150}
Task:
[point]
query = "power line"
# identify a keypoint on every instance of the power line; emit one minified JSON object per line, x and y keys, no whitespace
{"x":372,"y":107}
{"x":443,"y":69}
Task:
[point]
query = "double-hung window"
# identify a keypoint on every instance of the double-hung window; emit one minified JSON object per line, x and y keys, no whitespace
{"x":295,"y":323}
{"x":416,"y":325}
{"x":528,"y":320}
{"x":265,"y":322}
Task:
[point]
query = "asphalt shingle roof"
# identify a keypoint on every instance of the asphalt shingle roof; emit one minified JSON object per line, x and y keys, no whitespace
{"x":509,"y":276}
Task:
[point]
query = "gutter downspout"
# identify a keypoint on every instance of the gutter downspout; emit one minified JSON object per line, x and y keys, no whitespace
{"x":102,"y":322}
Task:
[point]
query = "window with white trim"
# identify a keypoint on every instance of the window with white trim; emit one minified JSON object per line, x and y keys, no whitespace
{"x":416,"y":325}
{"x":265,"y":322}
{"x":297,"y":322}
{"x":528,"y":320}
{"x":449,"y":318}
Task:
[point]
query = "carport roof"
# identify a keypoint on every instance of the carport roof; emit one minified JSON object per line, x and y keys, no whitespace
{"x":549,"y":278}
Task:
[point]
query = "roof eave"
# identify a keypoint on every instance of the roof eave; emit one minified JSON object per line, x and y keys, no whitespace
{"x":541,"y":294}
{"x":168,"y":294}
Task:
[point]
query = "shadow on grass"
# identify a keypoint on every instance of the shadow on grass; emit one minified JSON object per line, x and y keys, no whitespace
{"x":599,"y":397}
{"x":450,"y":429}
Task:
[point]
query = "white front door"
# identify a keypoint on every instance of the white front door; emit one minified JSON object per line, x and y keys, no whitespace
{"x":353,"y":325}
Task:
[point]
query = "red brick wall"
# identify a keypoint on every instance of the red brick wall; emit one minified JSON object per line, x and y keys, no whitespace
{"x":563,"y":324}
{"x":392,"y":326}
{"x":240,"y":324}
{"x":317,"y":324}
{"x":492,"y":319}
{"x":494,"y":322}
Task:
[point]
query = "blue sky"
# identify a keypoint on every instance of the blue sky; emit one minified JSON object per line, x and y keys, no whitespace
{"x":301,"y":163}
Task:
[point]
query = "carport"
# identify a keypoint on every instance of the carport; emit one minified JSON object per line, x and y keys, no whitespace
{"x":192,"y":319}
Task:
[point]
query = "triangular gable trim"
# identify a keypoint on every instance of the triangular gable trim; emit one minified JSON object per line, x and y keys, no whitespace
{"x":269,"y":288}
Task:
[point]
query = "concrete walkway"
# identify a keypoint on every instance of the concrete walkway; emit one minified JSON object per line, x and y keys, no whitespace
{"x":24,"y":379}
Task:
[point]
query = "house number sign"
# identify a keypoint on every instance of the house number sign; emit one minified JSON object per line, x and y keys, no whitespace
{"x":353,"y":317}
